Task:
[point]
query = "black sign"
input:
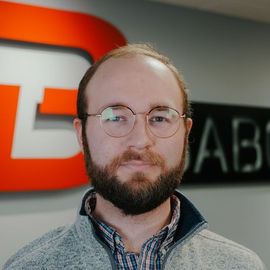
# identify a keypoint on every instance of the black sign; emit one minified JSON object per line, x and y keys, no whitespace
{"x":229,"y":144}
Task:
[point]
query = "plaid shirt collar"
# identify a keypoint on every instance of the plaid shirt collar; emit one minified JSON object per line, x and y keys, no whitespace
{"x":158,"y":243}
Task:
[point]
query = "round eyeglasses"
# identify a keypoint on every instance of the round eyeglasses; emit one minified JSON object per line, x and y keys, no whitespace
{"x":118,"y":121}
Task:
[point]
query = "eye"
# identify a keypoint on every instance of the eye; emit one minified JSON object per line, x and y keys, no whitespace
{"x":158,"y":119}
{"x":113,"y":115}
{"x":116,"y":118}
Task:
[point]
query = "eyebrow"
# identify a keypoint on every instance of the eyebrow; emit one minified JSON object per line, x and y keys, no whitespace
{"x":152,"y":105}
{"x":112,"y":104}
{"x":159,"y":104}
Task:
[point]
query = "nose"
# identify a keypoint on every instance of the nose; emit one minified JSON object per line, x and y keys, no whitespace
{"x":140,"y":137}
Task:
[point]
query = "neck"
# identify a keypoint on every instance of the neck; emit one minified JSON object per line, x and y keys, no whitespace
{"x":136,"y":229}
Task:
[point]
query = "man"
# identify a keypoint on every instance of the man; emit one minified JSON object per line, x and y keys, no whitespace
{"x":133,"y":125}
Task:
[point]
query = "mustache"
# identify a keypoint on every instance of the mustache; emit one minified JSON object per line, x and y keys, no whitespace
{"x":129,"y":155}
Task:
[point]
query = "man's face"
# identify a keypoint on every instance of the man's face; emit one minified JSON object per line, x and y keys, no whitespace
{"x":137,"y":160}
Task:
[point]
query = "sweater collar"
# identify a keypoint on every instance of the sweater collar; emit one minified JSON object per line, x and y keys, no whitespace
{"x":190,"y":220}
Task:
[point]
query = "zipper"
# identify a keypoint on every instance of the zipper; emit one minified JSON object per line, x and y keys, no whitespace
{"x":108,"y":250}
{"x":194,"y":231}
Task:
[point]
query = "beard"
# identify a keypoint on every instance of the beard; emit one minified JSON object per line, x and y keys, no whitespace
{"x":138,"y":194}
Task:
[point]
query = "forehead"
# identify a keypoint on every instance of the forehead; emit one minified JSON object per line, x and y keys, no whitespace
{"x":139,"y":82}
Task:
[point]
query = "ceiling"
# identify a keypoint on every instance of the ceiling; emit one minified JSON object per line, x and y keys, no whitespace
{"x":256,"y":10}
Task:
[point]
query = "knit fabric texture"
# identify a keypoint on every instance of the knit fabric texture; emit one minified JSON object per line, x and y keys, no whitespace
{"x":78,"y":246}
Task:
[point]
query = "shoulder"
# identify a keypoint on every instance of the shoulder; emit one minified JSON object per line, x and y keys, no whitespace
{"x":208,"y":250}
{"x":224,"y":250}
{"x":69,"y":247}
{"x":44,"y":250}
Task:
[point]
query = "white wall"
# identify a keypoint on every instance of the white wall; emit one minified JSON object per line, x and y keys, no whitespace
{"x":224,"y":60}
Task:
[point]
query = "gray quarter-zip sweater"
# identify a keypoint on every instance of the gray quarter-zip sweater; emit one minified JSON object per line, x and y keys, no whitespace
{"x":78,"y":246}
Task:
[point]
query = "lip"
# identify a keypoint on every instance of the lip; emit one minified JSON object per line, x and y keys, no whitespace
{"x":137,"y":164}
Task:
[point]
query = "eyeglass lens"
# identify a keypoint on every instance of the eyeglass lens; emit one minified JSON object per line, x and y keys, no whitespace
{"x":118,"y":121}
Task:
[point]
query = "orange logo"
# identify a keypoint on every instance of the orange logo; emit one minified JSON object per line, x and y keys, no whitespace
{"x":27,"y":24}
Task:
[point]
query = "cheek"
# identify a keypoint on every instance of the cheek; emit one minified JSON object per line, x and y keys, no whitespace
{"x":102,"y":148}
{"x":172,"y":151}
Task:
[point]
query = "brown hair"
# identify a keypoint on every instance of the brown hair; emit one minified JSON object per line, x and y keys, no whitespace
{"x":130,"y":50}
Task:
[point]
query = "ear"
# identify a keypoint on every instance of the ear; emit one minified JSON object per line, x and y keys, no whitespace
{"x":77,"y":124}
{"x":189,"y":124}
